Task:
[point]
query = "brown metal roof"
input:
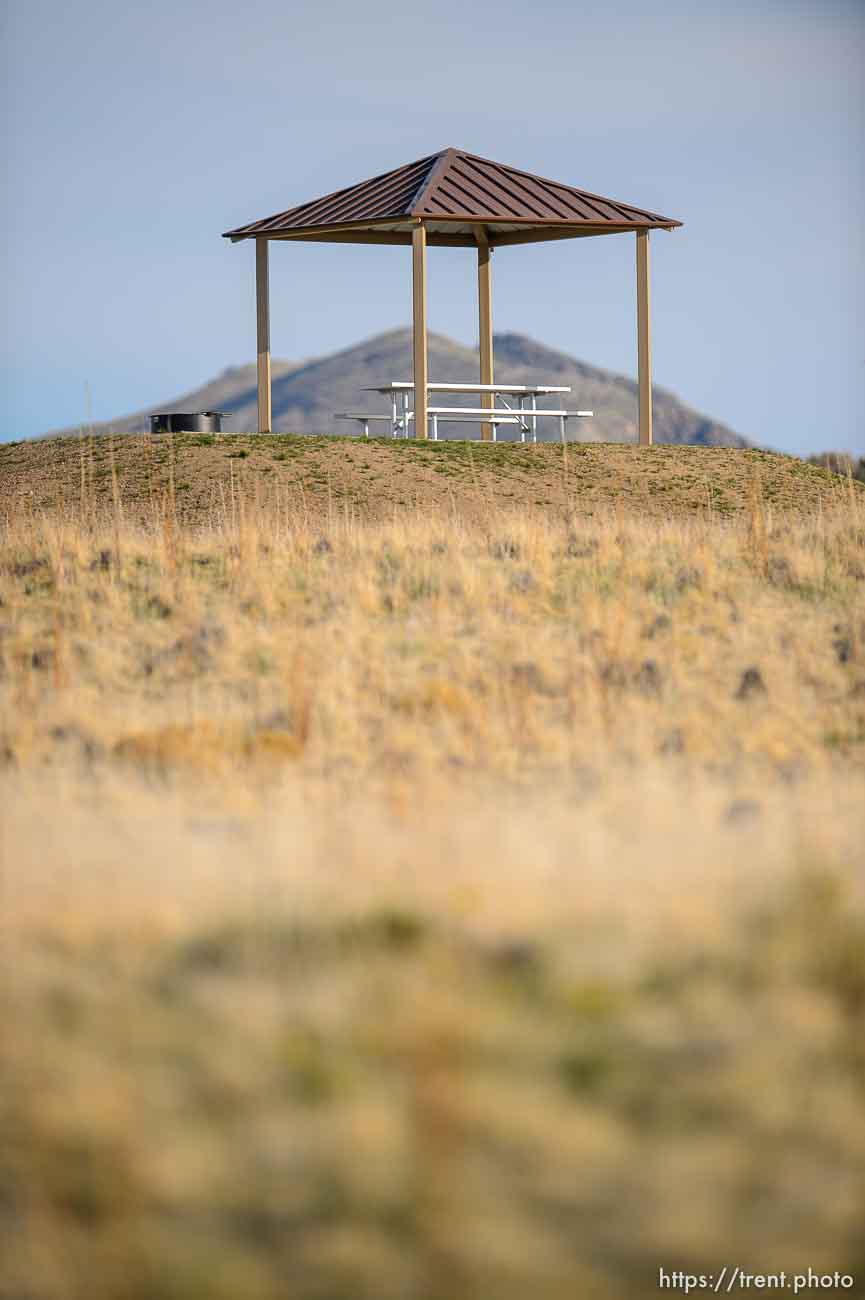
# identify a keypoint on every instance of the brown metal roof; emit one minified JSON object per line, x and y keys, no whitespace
{"x":453,"y":192}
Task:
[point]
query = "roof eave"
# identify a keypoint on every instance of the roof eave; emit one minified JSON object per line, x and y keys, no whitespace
{"x":280,"y":232}
{"x":652,"y":222}
{"x":520,"y":225}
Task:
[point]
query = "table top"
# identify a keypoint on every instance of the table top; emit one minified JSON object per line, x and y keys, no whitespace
{"x":403,"y":385}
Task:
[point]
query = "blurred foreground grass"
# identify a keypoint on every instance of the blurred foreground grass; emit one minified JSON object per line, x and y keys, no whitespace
{"x":432,"y":909}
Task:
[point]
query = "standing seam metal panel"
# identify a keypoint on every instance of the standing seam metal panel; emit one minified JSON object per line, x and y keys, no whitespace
{"x":399,"y":187}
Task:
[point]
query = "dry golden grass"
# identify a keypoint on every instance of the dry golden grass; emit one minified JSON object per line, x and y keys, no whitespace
{"x":457,"y":905}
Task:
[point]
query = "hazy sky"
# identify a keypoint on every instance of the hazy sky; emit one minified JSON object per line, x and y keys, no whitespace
{"x":135,"y":135}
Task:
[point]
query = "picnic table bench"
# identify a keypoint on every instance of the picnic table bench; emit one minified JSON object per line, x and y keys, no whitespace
{"x":401,"y":415}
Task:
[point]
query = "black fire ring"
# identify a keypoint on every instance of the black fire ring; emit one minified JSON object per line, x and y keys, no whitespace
{"x":187,"y":422}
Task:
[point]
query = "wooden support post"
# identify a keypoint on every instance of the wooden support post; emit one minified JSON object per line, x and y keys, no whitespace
{"x":485,"y":322}
{"x":419,"y":349}
{"x":262,"y":308}
{"x":644,"y":339}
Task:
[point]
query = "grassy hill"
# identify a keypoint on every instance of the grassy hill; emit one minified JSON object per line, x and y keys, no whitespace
{"x":306,"y":394}
{"x":315,"y":477}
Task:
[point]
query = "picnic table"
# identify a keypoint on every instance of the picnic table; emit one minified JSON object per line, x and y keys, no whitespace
{"x":401,"y":394}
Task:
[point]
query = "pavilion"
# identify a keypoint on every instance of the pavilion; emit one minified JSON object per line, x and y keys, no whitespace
{"x":454,"y":199}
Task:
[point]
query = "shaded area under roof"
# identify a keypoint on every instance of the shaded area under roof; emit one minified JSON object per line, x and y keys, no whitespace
{"x":457,"y":196}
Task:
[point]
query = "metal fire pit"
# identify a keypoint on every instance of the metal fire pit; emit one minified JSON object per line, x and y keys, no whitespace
{"x":187,"y":422}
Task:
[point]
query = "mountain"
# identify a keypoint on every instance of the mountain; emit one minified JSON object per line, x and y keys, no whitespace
{"x":306,"y":394}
